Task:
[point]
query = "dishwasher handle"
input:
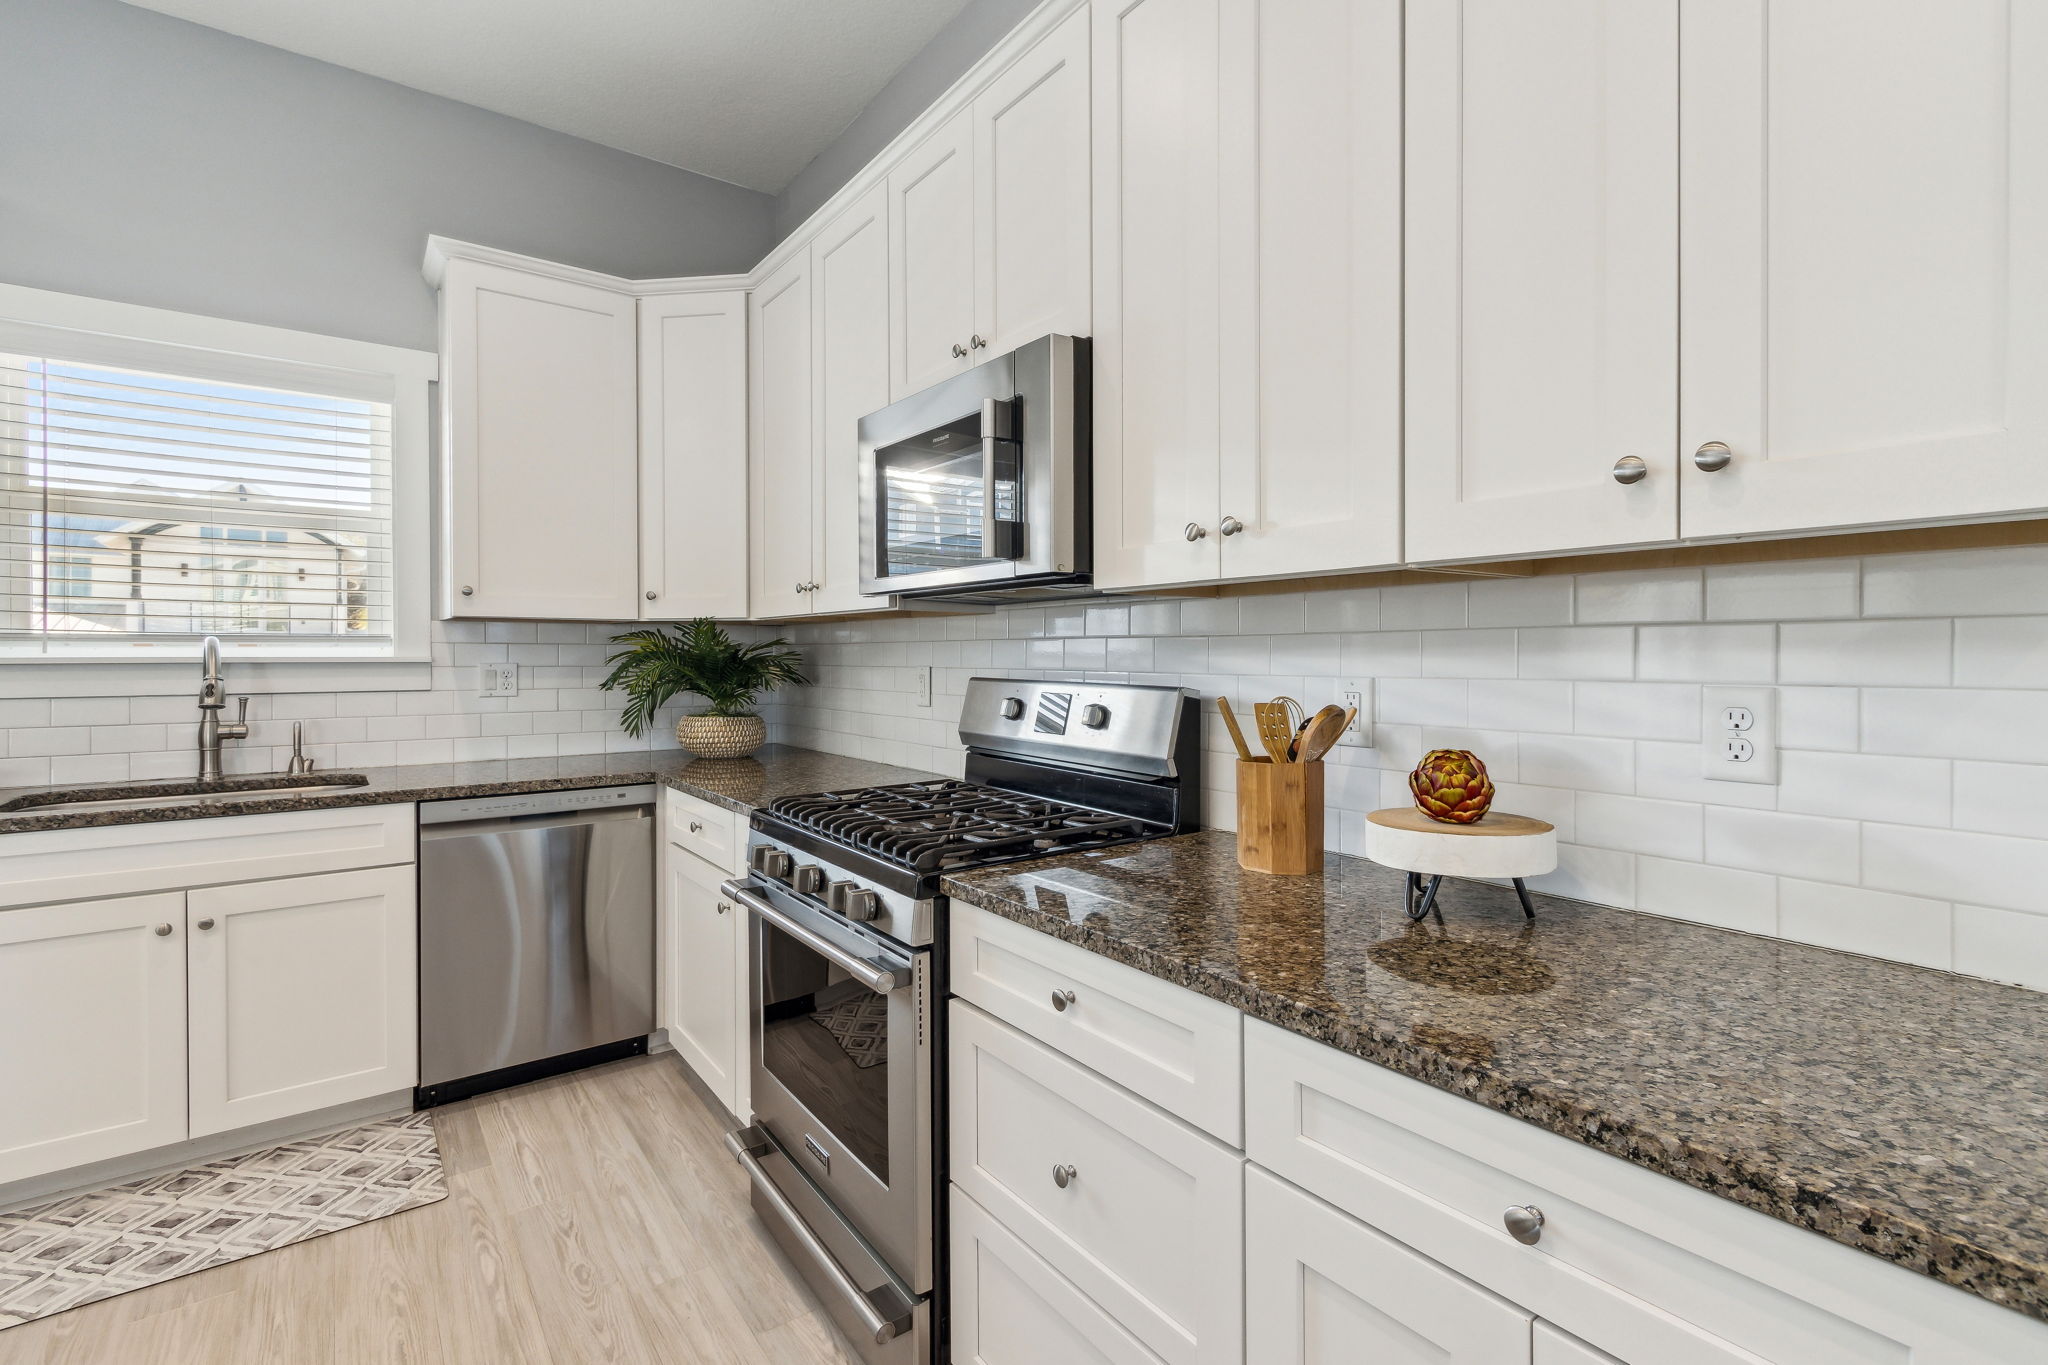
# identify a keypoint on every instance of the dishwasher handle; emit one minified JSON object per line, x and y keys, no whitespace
{"x":571,"y":819}
{"x":876,"y":976}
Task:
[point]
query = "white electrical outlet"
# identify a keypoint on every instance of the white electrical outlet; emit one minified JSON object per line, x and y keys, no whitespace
{"x":1358,"y":734}
{"x":497,"y":680}
{"x":924,"y":683}
{"x":1740,"y":728}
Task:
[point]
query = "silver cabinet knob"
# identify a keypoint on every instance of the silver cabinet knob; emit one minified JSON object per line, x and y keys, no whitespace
{"x":206,"y":924}
{"x":1524,"y":1223}
{"x":723,"y":907}
{"x":977,"y":342}
{"x":468,"y":591}
{"x":800,"y":587}
{"x":1064,"y":1176}
{"x":696,"y":827}
{"x":650,"y":594}
{"x":1230,"y":526}
{"x":1062,"y":999}
{"x":958,"y":350}
{"x":1630,"y":469}
{"x":163,"y":930}
{"x":1713,"y":457}
{"x":1195,"y":532}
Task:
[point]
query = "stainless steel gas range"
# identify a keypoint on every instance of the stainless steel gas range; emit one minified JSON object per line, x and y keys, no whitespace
{"x":846,"y":1151}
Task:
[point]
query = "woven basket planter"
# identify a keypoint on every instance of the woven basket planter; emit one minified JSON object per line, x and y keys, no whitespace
{"x":721,"y":736}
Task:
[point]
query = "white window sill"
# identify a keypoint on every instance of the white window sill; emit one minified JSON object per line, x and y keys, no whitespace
{"x":127,"y":676}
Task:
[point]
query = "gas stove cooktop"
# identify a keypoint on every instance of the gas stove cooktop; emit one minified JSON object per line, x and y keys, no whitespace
{"x":947,"y":825}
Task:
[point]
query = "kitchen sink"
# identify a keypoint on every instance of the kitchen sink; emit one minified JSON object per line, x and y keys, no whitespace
{"x":133,"y":795}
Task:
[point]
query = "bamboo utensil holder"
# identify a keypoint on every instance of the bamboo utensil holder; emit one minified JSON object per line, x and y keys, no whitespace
{"x":1279,"y":817}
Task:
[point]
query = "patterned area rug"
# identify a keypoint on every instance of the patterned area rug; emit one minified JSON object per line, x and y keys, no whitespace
{"x":94,"y":1246}
{"x":860,"y":1025}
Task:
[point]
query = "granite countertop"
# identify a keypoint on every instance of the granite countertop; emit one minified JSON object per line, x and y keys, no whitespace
{"x":738,"y":784}
{"x":1901,"y":1111}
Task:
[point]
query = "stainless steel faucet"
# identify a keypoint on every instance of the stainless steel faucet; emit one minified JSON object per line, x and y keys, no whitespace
{"x":213,"y":699}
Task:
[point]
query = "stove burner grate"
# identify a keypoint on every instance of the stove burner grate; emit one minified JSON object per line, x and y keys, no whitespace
{"x":936,"y":826}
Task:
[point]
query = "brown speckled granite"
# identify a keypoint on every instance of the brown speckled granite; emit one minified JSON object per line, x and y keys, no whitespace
{"x":1901,"y":1111}
{"x":738,"y":784}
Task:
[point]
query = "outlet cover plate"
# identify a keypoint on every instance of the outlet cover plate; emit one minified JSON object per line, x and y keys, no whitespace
{"x":1739,"y":734}
{"x":1356,"y":692}
{"x":924,"y":683}
{"x":497,"y":680}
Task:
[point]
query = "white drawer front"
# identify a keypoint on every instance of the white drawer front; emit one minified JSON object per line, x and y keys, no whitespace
{"x":1180,"y":1050}
{"x":113,"y":860}
{"x":1151,"y":1223}
{"x":1387,"y":1150}
{"x":1011,"y":1308}
{"x":704,"y":829}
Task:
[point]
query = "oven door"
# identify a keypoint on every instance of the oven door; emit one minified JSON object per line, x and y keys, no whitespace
{"x":841,"y":1059}
{"x":979,"y":480}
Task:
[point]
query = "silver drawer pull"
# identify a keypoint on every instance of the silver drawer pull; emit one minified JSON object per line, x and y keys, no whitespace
{"x":163,"y":930}
{"x":1062,"y":999}
{"x":1524,"y":1223}
{"x":1630,"y":469}
{"x":1064,"y":1176}
{"x":206,"y":924}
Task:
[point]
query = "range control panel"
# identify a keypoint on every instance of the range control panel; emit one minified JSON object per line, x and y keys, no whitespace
{"x":1119,"y":727}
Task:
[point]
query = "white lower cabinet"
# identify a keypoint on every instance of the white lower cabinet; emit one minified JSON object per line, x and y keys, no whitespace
{"x":701,"y":999}
{"x":1322,"y":1288}
{"x":302,"y":994}
{"x":92,"y":1014}
{"x":1142,"y":1213}
{"x":1549,"y":1346}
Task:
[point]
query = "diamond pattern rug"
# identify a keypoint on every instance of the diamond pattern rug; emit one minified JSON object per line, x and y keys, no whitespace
{"x":93,"y":1246}
{"x":860,"y":1025}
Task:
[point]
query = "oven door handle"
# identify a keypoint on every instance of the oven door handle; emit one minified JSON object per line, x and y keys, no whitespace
{"x":883,"y":1330}
{"x":876,"y":976}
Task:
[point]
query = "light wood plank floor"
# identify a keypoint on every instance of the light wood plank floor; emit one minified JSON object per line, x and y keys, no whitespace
{"x":591,"y":1217}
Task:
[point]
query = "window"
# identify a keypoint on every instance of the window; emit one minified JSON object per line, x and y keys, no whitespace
{"x":158,"y":486}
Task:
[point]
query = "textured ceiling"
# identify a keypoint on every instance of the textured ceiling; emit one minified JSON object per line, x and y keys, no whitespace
{"x":744,"y":90}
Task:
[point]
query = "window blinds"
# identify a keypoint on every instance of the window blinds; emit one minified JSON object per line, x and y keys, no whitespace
{"x":137,"y":506}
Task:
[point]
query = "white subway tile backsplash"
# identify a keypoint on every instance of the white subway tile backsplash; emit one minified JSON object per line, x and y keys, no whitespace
{"x":1209,"y":616}
{"x":1954,"y":723}
{"x":1422,"y":606}
{"x":1636,"y":710}
{"x":1577,"y":652}
{"x":1312,"y":656}
{"x":1468,"y":654}
{"x":1674,"y":770}
{"x":1802,"y":591}
{"x":1981,"y":869}
{"x":2002,"y":798}
{"x":1633,"y":824}
{"x":1723,"y":896}
{"x":1540,"y":601}
{"x":1600,"y":875}
{"x":1819,"y":718}
{"x":1580,"y":762}
{"x":2002,"y":651}
{"x":1282,"y":613}
{"x":1639,"y":595}
{"x":1522,"y":704}
{"x":1344,"y":609}
{"x":1708,"y":654}
{"x":1390,"y":654}
{"x":1789,"y":845}
{"x":89,"y":711}
{"x":2005,"y":945}
{"x":1906,"y":791}
{"x":1854,"y":919}
{"x":2001,"y":582}
{"x":1421,"y":701}
{"x":1147,"y":618}
{"x":1865,"y":653}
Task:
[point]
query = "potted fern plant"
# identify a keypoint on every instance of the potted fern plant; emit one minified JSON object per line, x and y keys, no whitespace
{"x":660,"y":663}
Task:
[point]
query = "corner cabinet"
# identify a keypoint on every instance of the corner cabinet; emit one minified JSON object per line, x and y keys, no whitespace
{"x":1247,"y":260}
{"x":693,"y":454}
{"x":539,"y":446}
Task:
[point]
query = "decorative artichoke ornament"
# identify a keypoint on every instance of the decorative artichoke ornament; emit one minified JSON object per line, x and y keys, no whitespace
{"x":1451,"y":785}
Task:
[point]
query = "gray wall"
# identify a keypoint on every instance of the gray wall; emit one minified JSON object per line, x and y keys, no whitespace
{"x":925,"y":77}
{"x":154,"y":161}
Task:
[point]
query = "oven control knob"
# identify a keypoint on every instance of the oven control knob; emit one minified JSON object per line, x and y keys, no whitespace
{"x":777,"y":864}
{"x":809,"y":880}
{"x":1095,"y":716}
{"x":862,"y":906}
{"x":1013,"y":708}
{"x":836,"y":894}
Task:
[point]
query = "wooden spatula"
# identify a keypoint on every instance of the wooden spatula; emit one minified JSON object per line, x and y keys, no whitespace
{"x":1244,"y":750}
{"x":1276,"y":728}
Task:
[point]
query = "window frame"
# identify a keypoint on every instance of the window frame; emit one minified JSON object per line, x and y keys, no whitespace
{"x":103,"y":332}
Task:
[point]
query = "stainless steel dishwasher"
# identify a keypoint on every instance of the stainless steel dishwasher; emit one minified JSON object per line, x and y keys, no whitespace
{"x":536,"y":936}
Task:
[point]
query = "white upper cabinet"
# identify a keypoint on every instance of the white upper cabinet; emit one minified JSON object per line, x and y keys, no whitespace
{"x":540,"y":454}
{"x":1157,"y":355}
{"x":1311,"y":277}
{"x":1865,"y":263}
{"x":780,"y":434}
{"x":850,"y":362}
{"x":931,"y":255}
{"x":1542,"y":250}
{"x":1031,"y":196}
{"x":693,"y":455}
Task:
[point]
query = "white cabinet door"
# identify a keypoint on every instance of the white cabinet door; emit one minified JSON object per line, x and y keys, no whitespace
{"x":1154,"y":72}
{"x":1324,"y":1289}
{"x":931,"y":258}
{"x":1542,"y":248}
{"x":1865,"y":262}
{"x":1031,"y":194}
{"x":92,"y":1011}
{"x":303,"y":994}
{"x":693,"y":455}
{"x":540,"y":451}
{"x":701,"y":1001}
{"x":1553,"y":1347}
{"x":1311,"y":279}
{"x":1011,"y":1308}
{"x":780,"y":466}
{"x":850,"y":357}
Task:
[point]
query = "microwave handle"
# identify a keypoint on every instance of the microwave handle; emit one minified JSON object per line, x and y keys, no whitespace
{"x":998,"y":427}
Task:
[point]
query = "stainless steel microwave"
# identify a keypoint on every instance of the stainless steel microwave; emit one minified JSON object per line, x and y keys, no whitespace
{"x":979,"y":485}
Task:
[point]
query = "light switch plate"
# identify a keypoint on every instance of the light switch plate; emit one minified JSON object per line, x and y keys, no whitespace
{"x":924,"y":683}
{"x":1739,"y":734}
{"x":1358,"y":693}
{"x":497,"y":680}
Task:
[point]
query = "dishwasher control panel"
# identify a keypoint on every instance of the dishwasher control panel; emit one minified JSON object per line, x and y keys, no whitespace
{"x":535,"y":803}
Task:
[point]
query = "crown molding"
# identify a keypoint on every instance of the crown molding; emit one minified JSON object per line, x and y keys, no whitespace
{"x":441,"y":250}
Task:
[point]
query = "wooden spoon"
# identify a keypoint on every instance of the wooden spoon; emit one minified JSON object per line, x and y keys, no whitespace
{"x":1244,"y":750}
{"x":1320,"y":733}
